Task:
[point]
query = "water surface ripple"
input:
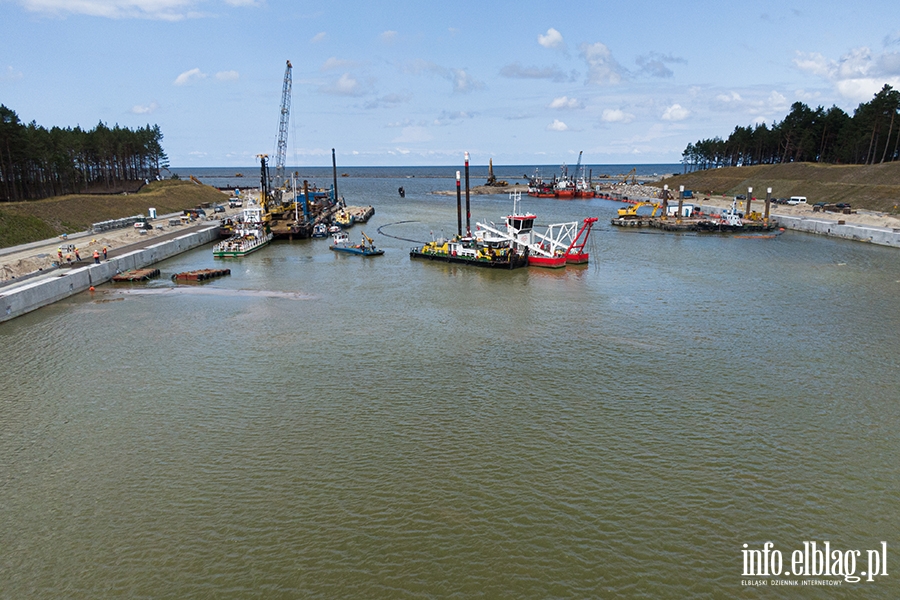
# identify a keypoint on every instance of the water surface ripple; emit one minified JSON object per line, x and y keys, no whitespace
{"x":324,"y":426}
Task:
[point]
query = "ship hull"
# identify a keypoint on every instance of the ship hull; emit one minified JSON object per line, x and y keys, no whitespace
{"x":513,"y":263}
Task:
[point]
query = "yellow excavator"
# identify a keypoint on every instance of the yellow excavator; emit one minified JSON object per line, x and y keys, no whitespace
{"x":630,"y":212}
{"x":631,"y":174}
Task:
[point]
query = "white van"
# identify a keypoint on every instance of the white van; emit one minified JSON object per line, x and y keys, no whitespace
{"x":796,"y":200}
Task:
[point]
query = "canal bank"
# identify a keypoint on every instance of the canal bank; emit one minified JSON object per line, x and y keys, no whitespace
{"x":884,"y":236}
{"x":19,"y":299}
{"x":859,"y":226}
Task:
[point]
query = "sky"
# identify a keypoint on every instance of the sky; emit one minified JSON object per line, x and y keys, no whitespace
{"x":419,"y":83}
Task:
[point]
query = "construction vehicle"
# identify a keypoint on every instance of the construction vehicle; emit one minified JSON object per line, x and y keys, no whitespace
{"x":491,"y":180}
{"x":630,"y":212}
{"x":632,"y":173}
{"x":281,"y":149}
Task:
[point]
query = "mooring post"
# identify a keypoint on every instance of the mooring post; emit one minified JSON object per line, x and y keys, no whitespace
{"x":458,"y":208}
{"x":749,"y":197}
{"x":680,"y":203}
{"x":768,"y":200}
{"x":468,"y":212}
{"x":665,"y":202}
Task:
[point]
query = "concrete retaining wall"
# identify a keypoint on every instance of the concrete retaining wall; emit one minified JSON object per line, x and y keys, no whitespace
{"x":883,"y":236}
{"x":34,"y":294}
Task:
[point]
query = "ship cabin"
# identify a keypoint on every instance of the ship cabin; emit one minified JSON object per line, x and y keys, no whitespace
{"x":519,"y":228}
{"x":520,"y":223}
{"x":252,"y":214}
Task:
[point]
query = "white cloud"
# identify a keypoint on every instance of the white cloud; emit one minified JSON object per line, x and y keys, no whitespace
{"x":615,"y":115}
{"x":729,"y":98}
{"x":565,"y":102}
{"x":857,"y":75}
{"x":892,"y":39}
{"x":777,"y":101}
{"x":228,"y":75}
{"x":10,"y":74}
{"x":319,"y":37}
{"x":412,"y":135}
{"x":420,"y":66}
{"x":654,"y":64}
{"x":337,"y":63}
{"x":388,"y":37}
{"x":189,"y":76}
{"x":144,"y":110}
{"x":675,"y":113}
{"x":346,"y":85}
{"x":448,"y":117}
{"x":552,"y":39}
{"x":517,"y":71}
{"x":602,"y":67}
{"x":464,"y":83}
{"x":557,"y":125}
{"x":164,"y":10}
{"x":388,"y":101}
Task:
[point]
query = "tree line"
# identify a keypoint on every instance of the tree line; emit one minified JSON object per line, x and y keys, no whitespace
{"x":36,"y":162}
{"x":870,"y":136}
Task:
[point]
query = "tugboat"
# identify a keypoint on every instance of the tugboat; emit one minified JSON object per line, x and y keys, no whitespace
{"x":341,"y":243}
{"x":250,"y":234}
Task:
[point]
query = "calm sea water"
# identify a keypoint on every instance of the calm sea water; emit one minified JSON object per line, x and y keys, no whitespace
{"x":322,"y":426}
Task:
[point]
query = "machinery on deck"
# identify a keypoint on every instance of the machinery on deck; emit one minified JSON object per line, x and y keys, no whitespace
{"x":630,"y":212}
{"x":281,"y":148}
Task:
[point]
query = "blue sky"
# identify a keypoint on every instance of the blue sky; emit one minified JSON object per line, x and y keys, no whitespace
{"x":415,"y":83}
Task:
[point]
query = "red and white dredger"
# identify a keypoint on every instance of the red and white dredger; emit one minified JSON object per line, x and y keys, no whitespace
{"x":559,"y":245}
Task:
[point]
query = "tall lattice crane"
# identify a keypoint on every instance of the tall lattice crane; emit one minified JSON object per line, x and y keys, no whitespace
{"x":281,"y":149}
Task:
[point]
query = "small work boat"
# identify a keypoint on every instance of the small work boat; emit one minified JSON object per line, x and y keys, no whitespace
{"x":320,"y":230}
{"x":341,"y":243}
{"x":250,"y":234}
{"x":344,"y":219}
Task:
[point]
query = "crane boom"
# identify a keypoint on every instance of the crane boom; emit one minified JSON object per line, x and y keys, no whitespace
{"x":281,"y":150}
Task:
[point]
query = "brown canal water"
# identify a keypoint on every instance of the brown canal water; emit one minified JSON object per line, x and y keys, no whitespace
{"x":321,"y":426}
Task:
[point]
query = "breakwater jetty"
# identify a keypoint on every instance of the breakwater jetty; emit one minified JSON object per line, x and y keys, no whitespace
{"x":21,"y":298}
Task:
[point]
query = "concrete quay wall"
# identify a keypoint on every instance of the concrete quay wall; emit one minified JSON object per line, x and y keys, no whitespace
{"x":883,"y":236}
{"x":35,"y":293}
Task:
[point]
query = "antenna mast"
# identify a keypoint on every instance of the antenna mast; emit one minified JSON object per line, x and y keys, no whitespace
{"x":281,"y":150}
